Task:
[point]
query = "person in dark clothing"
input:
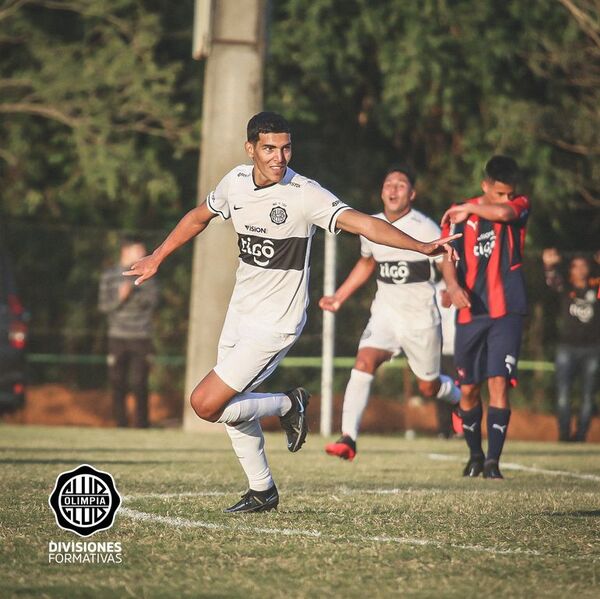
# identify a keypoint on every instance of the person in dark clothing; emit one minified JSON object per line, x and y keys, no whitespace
{"x":129,"y":309}
{"x":578,"y":350}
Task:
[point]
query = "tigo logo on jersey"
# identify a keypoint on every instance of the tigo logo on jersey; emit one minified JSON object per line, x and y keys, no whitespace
{"x":485,"y":245}
{"x":261,"y":252}
{"x":84,"y":500}
{"x":398,"y":273}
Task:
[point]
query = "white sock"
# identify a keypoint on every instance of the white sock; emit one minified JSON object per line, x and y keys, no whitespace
{"x":356,"y":399}
{"x":448,"y":390}
{"x":252,"y":406}
{"x":248,"y":443}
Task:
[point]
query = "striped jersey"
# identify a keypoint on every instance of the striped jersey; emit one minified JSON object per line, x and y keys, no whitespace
{"x":405,"y":282}
{"x":275,"y":225}
{"x":491,"y":260}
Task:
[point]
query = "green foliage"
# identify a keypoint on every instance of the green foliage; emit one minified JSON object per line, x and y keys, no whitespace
{"x":445,"y":84}
{"x":93,"y":116}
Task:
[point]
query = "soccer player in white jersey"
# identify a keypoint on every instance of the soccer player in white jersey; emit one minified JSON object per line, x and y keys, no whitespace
{"x":275,"y":212}
{"x":404,"y":314}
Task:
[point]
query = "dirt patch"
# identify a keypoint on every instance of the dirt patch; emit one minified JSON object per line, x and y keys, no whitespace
{"x":60,"y":405}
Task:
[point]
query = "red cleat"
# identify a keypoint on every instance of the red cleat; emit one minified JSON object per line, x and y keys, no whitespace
{"x":344,"y":448}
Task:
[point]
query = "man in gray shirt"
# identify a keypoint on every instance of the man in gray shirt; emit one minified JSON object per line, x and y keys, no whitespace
{"x":129,"y":309}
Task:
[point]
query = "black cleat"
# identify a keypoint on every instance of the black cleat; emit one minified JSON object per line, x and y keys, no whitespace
{"x":474,"y":467}
{"x":491,"y":470}
{"x":294,"y":423}
{"x":255,"y":501}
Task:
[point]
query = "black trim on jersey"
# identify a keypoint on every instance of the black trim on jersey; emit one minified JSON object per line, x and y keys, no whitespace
{"x":213,"y":209}
{"x":342,"y":207}
{"x":280,"y":254}
{"x":273,"y":358}
{"x":259,"y":187}
{"x":402,"y":272}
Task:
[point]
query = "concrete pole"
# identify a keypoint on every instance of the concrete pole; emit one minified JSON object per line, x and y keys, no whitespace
{"x":233,"y":85}
{"x":328,"y":346}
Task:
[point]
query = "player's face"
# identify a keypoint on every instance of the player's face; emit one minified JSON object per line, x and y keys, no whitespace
{"x":496,"y":192}
{"x":397,"y":194}
{"x":271,"y":155}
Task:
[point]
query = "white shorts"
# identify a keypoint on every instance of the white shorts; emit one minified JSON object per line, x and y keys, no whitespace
{"x":422,"y":347}
{"x":248,"y":353}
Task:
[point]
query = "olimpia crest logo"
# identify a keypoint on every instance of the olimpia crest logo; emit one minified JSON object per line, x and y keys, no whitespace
{"x":85,"y":500}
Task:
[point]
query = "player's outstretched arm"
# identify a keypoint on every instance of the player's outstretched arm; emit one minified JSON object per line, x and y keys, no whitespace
{"x":193,"y":223}
{"x":359,"y":275}
{"x":381,"y":232}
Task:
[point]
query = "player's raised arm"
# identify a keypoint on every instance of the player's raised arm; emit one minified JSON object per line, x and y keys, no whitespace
{"x":359,"y":275}
{"x":193,"y":223}
{"x":495,"y":212}
{"x":381,"y":232}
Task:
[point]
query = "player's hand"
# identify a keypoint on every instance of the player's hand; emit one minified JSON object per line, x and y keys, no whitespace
{"x":459,"y":297}
{"x":441,"y":246}
{"x":143,"y":269}
{"x":329,"y":303}
{"x":456,"y":214}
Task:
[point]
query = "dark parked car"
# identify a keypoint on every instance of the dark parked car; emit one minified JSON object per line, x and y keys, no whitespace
{"x":13,"y":338}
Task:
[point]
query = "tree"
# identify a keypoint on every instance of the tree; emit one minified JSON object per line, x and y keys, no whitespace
{"x":94,"y":111}
{"x":446,"y":84}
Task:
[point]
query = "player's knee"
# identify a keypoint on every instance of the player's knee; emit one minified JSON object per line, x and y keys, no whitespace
{"x":203,"y":407}
{"x":365,"y":363}
{"x":470,"y":395}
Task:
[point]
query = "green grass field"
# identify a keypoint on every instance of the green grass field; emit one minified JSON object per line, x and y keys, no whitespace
{"x":398,"y":521}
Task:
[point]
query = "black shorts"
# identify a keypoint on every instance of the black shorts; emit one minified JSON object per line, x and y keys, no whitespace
{"x":487,"y":347}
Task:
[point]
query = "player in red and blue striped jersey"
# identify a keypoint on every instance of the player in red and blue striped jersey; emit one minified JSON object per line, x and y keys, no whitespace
{"x":488,"y":288}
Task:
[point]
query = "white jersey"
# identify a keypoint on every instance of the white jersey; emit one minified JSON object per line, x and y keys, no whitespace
{"x":405,"y":282}
{"x":275,"y":225}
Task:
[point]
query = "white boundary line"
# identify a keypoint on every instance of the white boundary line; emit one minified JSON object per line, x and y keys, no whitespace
{"x":175,"y":495}
{"x":330,"y":492}
{"x":177,"y":522}
{"x":512,"y":466}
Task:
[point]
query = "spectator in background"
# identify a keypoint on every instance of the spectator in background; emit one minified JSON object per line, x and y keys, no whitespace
{"x":578,"y":350}
{"x":129,"y":309}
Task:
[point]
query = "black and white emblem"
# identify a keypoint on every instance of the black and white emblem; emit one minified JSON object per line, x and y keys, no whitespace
{"x":278,"y":215}
{"x":85,"y":500}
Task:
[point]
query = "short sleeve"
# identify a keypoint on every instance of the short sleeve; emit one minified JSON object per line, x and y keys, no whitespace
{"x":217,"y":200}
{"x":365,"y":247}
{"x":321,"y":207}
{"x":521,"y":206}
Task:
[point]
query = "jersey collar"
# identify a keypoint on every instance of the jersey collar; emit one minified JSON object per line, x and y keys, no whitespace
{"x":259,"y":187}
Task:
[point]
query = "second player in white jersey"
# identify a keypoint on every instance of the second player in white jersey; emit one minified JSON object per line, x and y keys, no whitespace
{"x":405,"y":279}
{"x":404,"y":314}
